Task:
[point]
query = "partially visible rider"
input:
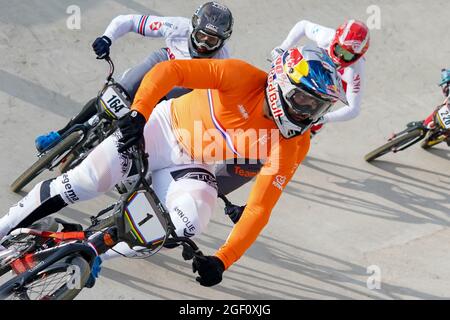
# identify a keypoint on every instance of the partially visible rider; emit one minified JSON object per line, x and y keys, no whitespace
{"x":245,"y":112}
{"x":445,"y":86}
{"x":203,"y":36}
{"x":347,"y":47}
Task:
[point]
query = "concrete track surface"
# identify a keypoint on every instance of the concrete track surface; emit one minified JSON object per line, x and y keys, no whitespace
{"x":338,"y":217}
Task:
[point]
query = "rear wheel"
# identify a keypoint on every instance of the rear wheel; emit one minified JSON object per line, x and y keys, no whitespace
{"x":46,"y":161}
{"x":62,"y":280}
{"x":94,"y":138}
{"x":432,"y":140}
{"x":68,"y":162}
{"x":393,"y":144}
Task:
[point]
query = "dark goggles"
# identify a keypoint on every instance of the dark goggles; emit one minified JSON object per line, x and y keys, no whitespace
{"x":304,"y":105}
{"x":206,"y":40}
{"x":344,"y":54}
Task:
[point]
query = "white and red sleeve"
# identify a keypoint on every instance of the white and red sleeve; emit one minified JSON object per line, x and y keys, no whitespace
{"x":148,"y":26}
{"x":321,"y":35}
{"x":353,"y":78}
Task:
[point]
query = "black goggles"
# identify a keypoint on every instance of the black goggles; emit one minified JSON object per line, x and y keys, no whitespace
{"x":304,"y":105}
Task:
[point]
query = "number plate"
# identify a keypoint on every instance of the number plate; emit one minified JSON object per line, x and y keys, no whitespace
{"x":114,"y":104}
{"x":147,"y":226}
{"x":444,"y":117}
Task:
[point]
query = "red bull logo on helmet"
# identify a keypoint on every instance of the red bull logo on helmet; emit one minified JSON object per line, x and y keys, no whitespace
{"x":273,"y":96}
{"x":296,"y":67}
{"x":293,"y":58}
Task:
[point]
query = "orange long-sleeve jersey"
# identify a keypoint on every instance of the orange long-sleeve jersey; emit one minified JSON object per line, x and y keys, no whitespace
{"x":223,"y":118}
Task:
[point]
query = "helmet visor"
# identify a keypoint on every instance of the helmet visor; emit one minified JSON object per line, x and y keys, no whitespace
{"x":344,"y":54}
{"x":206,"y":41}
{"x":304,"y":105}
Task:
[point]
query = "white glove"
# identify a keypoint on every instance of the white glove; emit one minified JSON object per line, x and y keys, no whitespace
{"x":276,"y":52}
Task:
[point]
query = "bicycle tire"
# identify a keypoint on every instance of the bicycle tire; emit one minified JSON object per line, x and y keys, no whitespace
{"x":431,"y":142}
{"x":62,"y":292}
{"x":396,"y":142}
{"x":66,"y":165}
{"x":36,"y":168}
{"x":73,"y":158}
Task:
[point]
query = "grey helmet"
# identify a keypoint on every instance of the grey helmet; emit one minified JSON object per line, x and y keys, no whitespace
{"x":212,"y":25}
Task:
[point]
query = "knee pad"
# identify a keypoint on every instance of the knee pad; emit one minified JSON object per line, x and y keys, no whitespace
{"x":190,"y":204}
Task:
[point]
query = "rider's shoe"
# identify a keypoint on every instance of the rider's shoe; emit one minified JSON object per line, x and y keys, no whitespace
{"x":44,"y":141}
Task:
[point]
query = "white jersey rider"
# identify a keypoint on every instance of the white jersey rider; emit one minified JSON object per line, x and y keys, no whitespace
{"x":203,"y":36}
{"x":346,"y":46}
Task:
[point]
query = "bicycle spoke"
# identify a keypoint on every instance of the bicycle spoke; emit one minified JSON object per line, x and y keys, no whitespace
{"x":53,"y":281}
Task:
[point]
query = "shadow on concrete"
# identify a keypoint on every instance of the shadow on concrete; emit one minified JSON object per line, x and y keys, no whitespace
{"x":388,"y":188}
{"x":54,"y":10}
{"x":271,"y":250}
{"x":136,"y":284}
{"x":37,"y":95}
{"x":444,"y":154}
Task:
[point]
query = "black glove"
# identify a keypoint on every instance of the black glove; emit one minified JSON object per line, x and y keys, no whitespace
{"x":234,"y":212}
{"x":101,"y":47}
{"x":131,"y":126}
{"x":210,"y":269}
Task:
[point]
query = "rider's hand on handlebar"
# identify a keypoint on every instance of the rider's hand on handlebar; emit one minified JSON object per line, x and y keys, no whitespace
{"x":131,"y":126}
{"x":234,"y":212}
{"x":101,"y":47}
{"x":210,"y":270}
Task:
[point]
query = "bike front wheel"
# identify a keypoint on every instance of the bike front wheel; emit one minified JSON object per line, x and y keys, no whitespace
{"x":62,"y":280}
{"x":393,"y":144}
{"x":46,"y":161}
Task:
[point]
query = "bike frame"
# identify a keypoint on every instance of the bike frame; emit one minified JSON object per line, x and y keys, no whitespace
{"x":438,"y":130}
{"x":417,"y":125}
{"x":101,"y":236}
{"x":92,"y":124}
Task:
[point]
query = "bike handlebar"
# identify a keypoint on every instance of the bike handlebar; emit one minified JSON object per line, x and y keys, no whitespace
{"x":111,"y":68}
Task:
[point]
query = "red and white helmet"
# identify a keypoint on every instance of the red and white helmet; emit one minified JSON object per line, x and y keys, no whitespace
{"x":350,"y":43}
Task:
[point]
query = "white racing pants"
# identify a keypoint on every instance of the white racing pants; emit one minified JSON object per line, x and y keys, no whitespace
{"x":187,"y":189}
